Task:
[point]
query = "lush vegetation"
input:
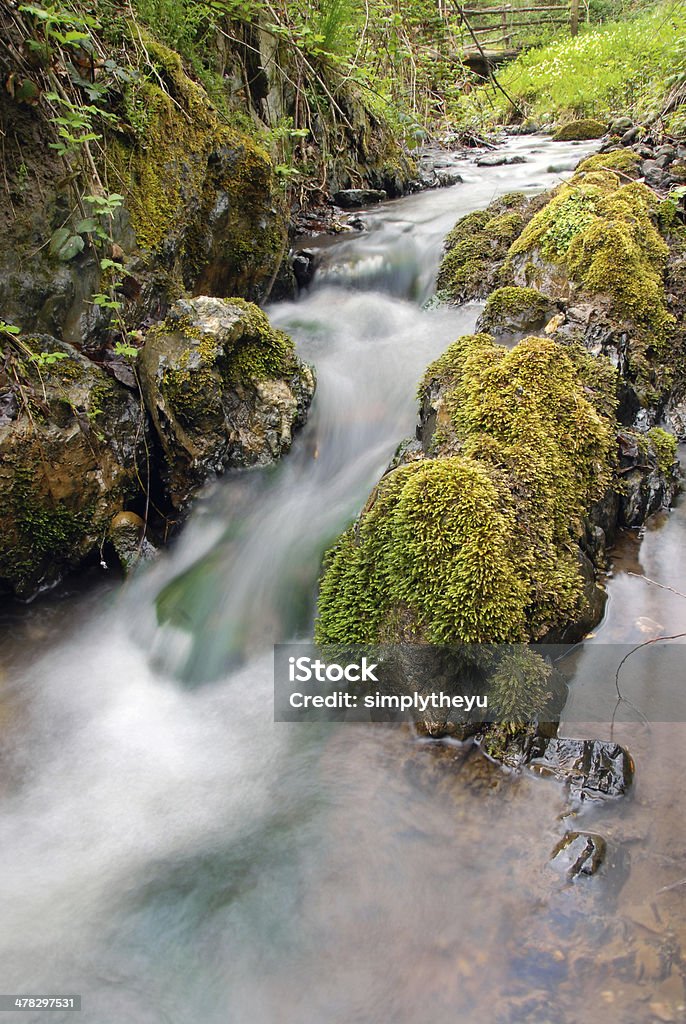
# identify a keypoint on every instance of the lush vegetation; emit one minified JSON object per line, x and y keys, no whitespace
{"x":635,"y":67}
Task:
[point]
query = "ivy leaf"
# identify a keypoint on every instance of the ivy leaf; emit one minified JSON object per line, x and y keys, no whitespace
{"x":65,"y":245}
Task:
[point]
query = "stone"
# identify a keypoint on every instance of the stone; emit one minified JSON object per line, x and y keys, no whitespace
{"x":498,"y":160}
{"x":579,"y":853}
{"x":621,"y":125}
{"x":304,"y":267}
{"x":653,"y":173}
{"x":67,"y":465}
{"x":630,"y":136}
{"x":223,"y":389}
{"x":593,"y":769}
{"x":356,"y":198}
{"x":128,"y":538}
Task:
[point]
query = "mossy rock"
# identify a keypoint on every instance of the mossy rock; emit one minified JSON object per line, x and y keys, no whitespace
{"x":477,"y":541}
{"x":223,"y":388}
{"x":512,"y":310}
{"x":580,"y":131}
{"x":623,"y":161}
{"x":476,"y":248}
{"x":596,"y":243}
{"x":202,"y":197}
{"x":71,"y":458}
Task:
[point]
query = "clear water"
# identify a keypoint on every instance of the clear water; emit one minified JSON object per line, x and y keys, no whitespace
{"x":173,"y":855}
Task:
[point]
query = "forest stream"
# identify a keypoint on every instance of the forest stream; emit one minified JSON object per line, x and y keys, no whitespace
{"x":173,"y":855}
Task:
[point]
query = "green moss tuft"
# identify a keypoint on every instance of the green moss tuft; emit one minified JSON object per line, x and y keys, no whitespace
{"x":477,"y":542}
{"x":664,"y":445}
{"x":506,"y":304}
{"x":476,"y":244}
{"x":580,"y":131}
{"x":603,"y":233}
{"x":625,"y":161}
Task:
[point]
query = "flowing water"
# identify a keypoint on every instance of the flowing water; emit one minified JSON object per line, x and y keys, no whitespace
{"x":173,"y":855}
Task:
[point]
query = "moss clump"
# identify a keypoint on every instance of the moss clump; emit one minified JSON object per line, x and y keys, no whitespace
{"x":477,"y":245}
{"x":580,"y":131}
{"x":603,"y":233}
{"x":664,"y":446}
{"x":194,"y":184}
{"x":509,"y":305}
{"x":477,"y":541}
{"x":625,"y":161}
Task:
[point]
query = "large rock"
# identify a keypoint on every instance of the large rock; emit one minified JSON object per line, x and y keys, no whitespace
{"x":223,"y":388}
{"x":72,"y":452}
{"x":356,"y":198}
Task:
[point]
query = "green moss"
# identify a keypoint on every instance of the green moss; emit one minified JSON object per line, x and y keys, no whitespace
{"x":476,"y":244}
{"x":580,"y":131}
{"x":41,"y":528}
{"x":172,"y":159}
{"x":254,"y":351}
{"x":625,"y":161}
{"x":664,"y":446}
{"x":603,"y":232}
{"x":508,"y":303}
{"x":479,"y":544}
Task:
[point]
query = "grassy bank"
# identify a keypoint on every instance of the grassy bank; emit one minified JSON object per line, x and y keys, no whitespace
{"x":635,"y":67}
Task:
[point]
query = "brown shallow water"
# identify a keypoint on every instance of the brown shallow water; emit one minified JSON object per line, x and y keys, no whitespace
{"x":172,"y":854}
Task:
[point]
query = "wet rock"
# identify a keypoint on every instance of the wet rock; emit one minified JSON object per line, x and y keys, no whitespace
{"x":71,"y":457}
{"x":498,"y":160}
{"x":630,"y":136}
{"x":653,"y":173}
{"x":579,"y":853}
{"x":646,"y":485}
{"x":593,"y":769}
{"x":516,"y":311}
{"x":580,"y":131}
{"x":304,"y":267}
{"x":127,"y":536}
{"x":356,"y":198}
{"x":223,"y":388}
{"x":621,"y":125}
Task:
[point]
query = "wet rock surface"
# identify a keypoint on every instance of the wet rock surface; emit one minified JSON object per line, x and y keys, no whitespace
{"x":356,"y":198}
{"x":579,"y":853}
{"x":223,"y":388}
{"x":593,"y":769}
{"x":71,"y":455}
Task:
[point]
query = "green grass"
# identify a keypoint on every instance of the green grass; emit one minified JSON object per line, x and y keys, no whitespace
{"x":623,"y":67}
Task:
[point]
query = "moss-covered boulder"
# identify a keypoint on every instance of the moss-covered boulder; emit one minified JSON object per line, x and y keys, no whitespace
{"x":597,"y":248}
{"x":513,"y":311}
{"x":72,"y":453}
{"x":200,"y":208}
{"x":223,"y":388}
{"x":475,"y":538}
{"x":476,"y":248}
{"x":580,"y":131}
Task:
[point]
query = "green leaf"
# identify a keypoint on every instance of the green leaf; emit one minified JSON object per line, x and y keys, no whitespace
{"x":65,"y":245}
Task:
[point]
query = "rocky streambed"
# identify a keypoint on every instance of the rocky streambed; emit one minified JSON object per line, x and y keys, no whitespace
{"x":231,"y":857}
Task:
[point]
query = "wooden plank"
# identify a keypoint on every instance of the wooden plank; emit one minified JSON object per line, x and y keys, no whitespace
{"x":487,"y":11}
{"x":534,"y":22}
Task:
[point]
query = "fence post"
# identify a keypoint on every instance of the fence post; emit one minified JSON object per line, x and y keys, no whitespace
{"x":574,"y":22}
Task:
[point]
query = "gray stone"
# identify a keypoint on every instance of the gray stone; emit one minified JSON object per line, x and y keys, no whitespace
{"x":355,"y":198}
{"x":223,"y":388}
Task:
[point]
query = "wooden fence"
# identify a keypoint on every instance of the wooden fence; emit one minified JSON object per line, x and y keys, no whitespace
{"x":502,"y":26}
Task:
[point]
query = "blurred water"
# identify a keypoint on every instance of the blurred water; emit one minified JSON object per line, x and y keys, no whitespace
{"x":173,"y":855}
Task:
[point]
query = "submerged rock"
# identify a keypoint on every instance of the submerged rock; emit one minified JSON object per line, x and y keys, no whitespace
{"x":579,"y":853}
{"x":71,"y":457}
{"x":223,"y":388}
{"x":593,"y":769}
